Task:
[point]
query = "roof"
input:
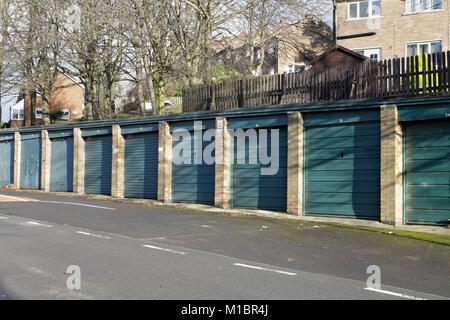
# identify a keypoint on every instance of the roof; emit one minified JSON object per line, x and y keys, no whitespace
{"x":239,"y":40}
{"x":340,"y":49}
{"x":19,"y":105}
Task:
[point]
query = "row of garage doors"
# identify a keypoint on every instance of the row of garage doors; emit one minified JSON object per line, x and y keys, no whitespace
{"x":342,"y":166}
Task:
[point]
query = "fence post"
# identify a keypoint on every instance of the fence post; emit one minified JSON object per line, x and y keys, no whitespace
{"x":212,"y":97}
{"x":241,"y":93}
{"x":283,"y":88}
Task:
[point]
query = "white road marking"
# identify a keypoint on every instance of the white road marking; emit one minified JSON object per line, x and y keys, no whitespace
{"x":4,"y":218}
{"x":79,"y":204}
{"x":93,"y":235}
{"x":394,"y":294}
{"x":39,"y":224}
{"x":17,"y":199}
{"x":265,"y":269}
{"x":164,"y":249}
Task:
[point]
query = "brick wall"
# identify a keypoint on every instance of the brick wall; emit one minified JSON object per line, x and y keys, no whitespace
{"x":395,"y":28}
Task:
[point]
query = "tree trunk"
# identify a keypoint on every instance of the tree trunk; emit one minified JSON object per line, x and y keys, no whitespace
{"x":150,"y":87}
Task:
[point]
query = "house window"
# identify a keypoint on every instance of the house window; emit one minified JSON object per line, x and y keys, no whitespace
{"x":292,"y":67}
{"x":427,"y":47}
{"x":65,"y":114}
{"x":364,"y":9}
{"x":371,"y":53}
{"x":416,"y":6}
{"x":38,"y":113}
{"x":17,"y":114}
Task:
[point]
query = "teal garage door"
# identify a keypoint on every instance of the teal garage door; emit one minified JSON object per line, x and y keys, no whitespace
{"x":30,"y":169}
{"x":252,"y":188}
{"x":6,"y":162}
{"x":192,"y":182}
{"x":427,"y":175}
{"x":98,"y":165}
{"x":342,"y":164}
{"x":61,"y":173}
{"x":141,"y":166}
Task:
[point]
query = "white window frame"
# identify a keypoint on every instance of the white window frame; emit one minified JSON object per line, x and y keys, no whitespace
{"x":36,"y":114}
{"x":19,"y":112}
{"x":380,"y":50}
{"x":66,"y":114}
{"x":428,"y":7}
{"x":358,"y":10}
{"x":418,"y":43}
{"x":293,"y":65}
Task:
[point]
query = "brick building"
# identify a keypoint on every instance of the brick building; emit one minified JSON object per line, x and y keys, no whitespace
{"x":386,"y":29}
{"x":67,"y":95}
{"x":289,"y":48}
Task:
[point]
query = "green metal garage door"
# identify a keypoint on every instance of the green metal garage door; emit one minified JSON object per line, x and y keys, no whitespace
{"x":250,"y":186}
{"x":97,"y":166}
{"x":427,"y":172}
{"x":192,"y":182}
{"x":252,"y":189}
{"x":61,"y":173}
{"x":6,"y":162}
{"x":141,"y":166}
{"x":342,"y":164}
{"x":30,"y":169}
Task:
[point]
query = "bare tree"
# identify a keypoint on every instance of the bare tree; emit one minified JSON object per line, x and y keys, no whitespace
{"x":4,"y":37}
{"x":212,"y":15}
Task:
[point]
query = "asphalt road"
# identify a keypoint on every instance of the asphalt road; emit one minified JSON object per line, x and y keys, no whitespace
{"x":127,"y":251}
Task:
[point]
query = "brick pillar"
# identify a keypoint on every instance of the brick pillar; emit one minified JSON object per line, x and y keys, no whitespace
{"x":222,"y":164}
{"x":164,"y":163}
{"x":391,"y":179}
{"x":117,"y":173}
{"x":295,"y":164}
{"x":78,"y":161}
{"x":17,"y":159}
{"x":46,"y":161}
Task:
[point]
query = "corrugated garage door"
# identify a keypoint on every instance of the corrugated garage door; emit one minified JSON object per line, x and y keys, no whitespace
{"x":30,"y":170}
{"x":61,"y":173}
{"x":427,"y":172}
{"x":250,"y":188}
{"x":97,"y":166}
{"x":342,"y":164}
{"x":141,"y":166}
{"x":193,"y":183}
{"x":6,"y":162}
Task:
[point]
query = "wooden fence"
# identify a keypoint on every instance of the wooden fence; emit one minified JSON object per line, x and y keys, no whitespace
{"x":424,"y":75}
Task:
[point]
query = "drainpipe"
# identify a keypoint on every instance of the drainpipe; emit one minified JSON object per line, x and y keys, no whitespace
{"x":334,"y":23}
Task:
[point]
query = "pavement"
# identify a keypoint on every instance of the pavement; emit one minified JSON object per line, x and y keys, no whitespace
{"x":135,"y":251}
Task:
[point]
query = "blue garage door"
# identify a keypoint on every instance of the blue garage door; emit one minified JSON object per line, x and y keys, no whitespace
{"x":427,"y":172}
{"x":141,"y":166}
{"x":192,"y":182}
{"x":30,"y":169}
{"x":342,"y":164}
{"x":6,"y":162}
{"x":61,"y":175}
{"x":98,"y":165}
{"x":250,"y":186}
